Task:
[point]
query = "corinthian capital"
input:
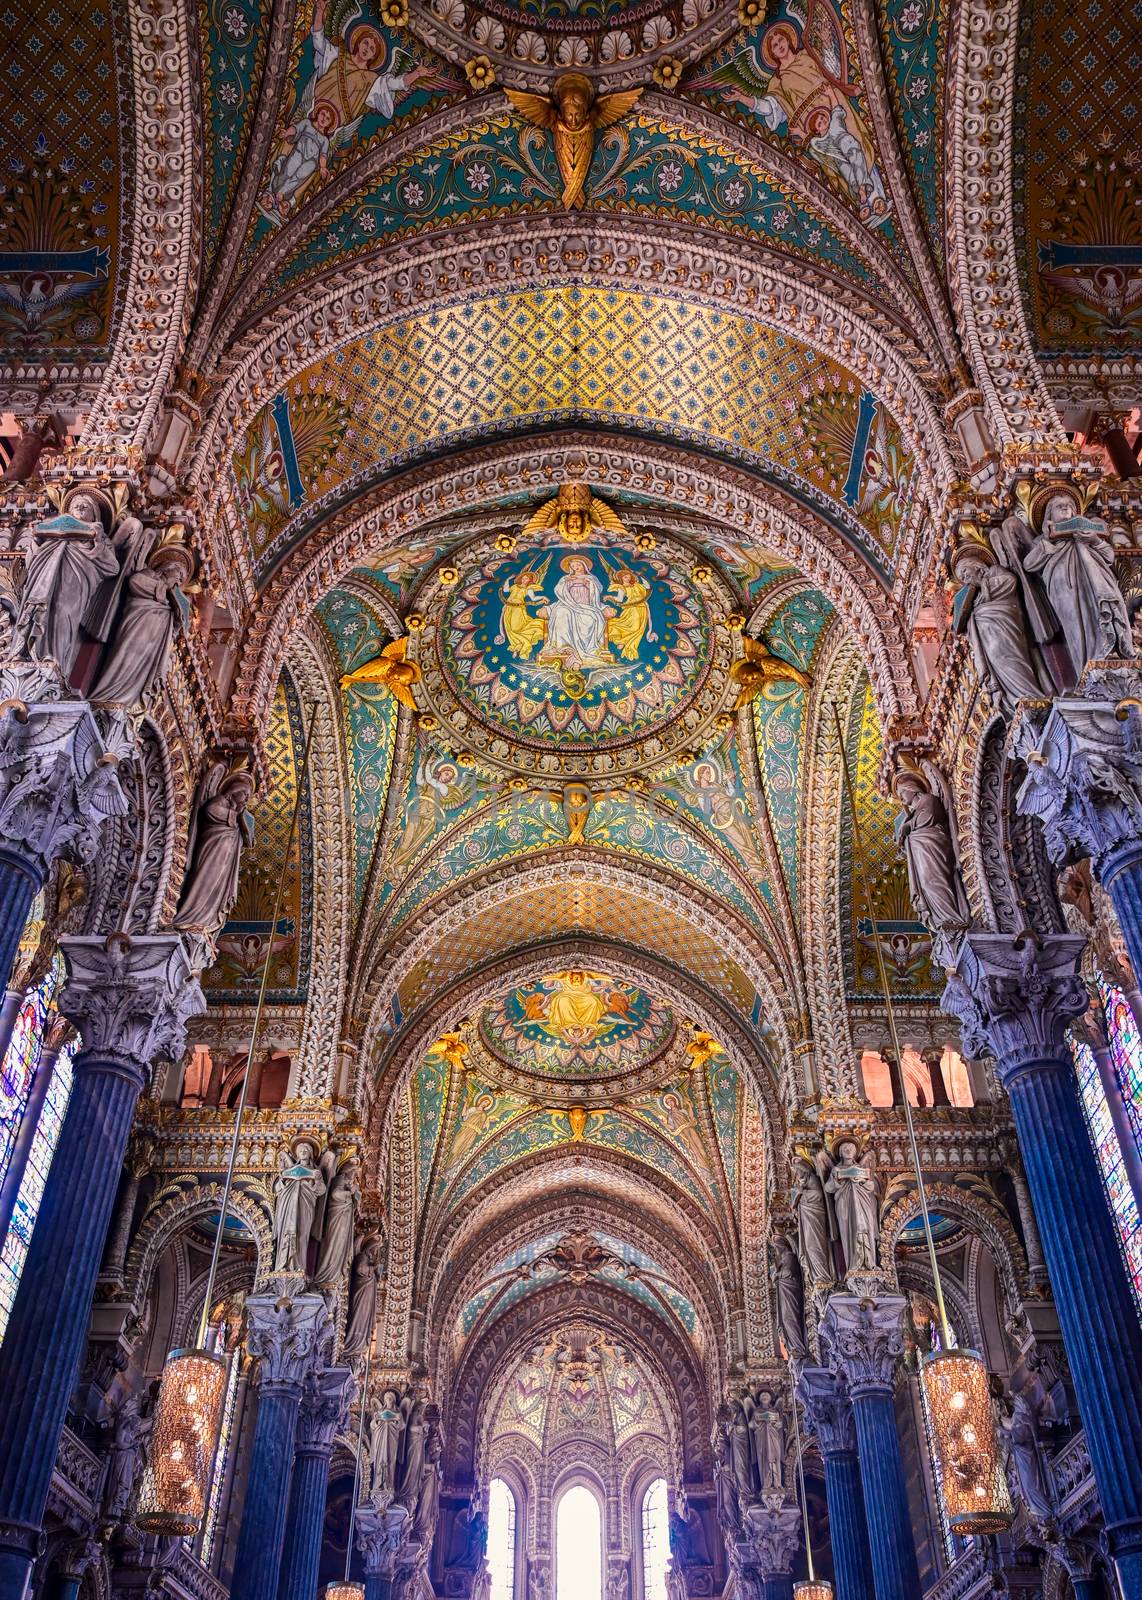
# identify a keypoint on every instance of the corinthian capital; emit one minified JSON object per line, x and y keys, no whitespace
{"x":1084,"y":771}
{"x":864,"y":1339}
{"x":131,"y":997}
{"x":58,"y":784}
{"x":772,"y":1536}
{"x":1015,"y":997}
{"x":828,"y":1409}
{"x":325,"y":1403}
{"x":291,"y":1338}
{"x":382,"y":1537}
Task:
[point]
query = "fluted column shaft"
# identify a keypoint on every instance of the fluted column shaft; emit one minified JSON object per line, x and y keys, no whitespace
{"x":1120,"y":873}
{"x":289,"y":1337}
{"x":19,"y":885}
{"x":864,"y":1341}
{"x":1015,"y":1003}
{"x":322,"y":1412}
{"x":130,"y":999}
{"x":830,"y":1416}
{"x":779,"y":1586}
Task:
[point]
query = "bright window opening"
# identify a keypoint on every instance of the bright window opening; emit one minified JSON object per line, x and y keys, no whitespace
{"x":501,"y":1539}
{"x":655,"y":1540}
{"x":578,"y":1546}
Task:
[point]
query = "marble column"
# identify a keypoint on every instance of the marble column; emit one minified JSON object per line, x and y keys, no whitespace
{"x":829,"y":1413}
{"x":54,"y":794}
{"x":1014,"y":999}
{"x":75,"y":1562}
{"x":1084,"y":783}
{"x":290,"y":1339}
{"x":129,"y":998}
{"x":773,"y":1536}
{"x":56,"y":1032}
{"x":325,"y":1402}
{"x":864,"y":1339}
{"x":383,"y":1539}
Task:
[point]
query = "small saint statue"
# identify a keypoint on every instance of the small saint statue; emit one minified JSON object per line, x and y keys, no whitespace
{"x":856,"y":1196}
{"x":299,"y":1186}
{"x":221,"y":826}
{"x":67,"y":559}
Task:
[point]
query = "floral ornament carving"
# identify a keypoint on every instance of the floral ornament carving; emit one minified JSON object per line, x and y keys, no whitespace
{"x":131,"y":998}
{"x":1015,"y":997}
{"x":289,"y":1337}
{"x":864,"y":1339}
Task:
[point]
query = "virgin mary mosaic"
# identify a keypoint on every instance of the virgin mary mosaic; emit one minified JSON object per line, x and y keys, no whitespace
{"x":587,"y":644}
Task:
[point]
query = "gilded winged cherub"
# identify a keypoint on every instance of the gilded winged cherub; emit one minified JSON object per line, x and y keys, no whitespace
{"x":574,"y":115}
{"x":391,"y":671}
{"x":759,"y":668}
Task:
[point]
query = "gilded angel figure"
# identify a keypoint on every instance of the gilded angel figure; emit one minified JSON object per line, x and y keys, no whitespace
{"x":573,"y":114}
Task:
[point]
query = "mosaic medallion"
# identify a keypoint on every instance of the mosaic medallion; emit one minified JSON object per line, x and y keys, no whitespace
{"x":593,"y":658}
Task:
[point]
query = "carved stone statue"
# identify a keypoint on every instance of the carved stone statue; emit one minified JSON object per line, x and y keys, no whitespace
{"x":125,"y":1457}
{"x":417,"y":1428}
{"x":807,"y":1198}
{"x":338,"y":1224}
{"x":1023,"y":1438}
{"x":68,"y":557}
{"x":924,"y":834}
{"x":1076,"y":563}
{"x":1011,"y":542}
{"x":726,"y":1497}
{"x":131,"y":542}
{"x":297,"y":1190}
{"x":362,"y":1308}
{"x":137,"y":660}
{"x":741,"y":1451}
{"x":386,"y":1430}
{"x":987,"y":610}
{"x":856,"y":1196}
{"x":222,"y":826}
{"x":428,"y":1500}
{"x":789,"y":1292}
{"x":768,"y":1433}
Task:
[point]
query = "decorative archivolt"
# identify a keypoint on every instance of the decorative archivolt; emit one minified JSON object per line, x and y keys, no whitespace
{"x":131,"y":874}
{"x":985,"y":1218}
{"x":478,"y":1245}
{"x":175,"y":1214}
{"x":897,"y":310}
{"x":983,"y":250}
{"x":161,"y":240}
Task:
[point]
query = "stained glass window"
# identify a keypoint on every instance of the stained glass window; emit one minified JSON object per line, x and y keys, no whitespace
{"x":655,"y":1540}
{"x":1125,"y":1052}
{"x":21,"y":1063}
{"x":1109,"y":1153}
{"x":501,"y":1539}
{"x":578,"y":1545}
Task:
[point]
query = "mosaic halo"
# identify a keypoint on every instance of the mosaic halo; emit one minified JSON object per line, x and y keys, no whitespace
{"x":595,"y":658}
{"x":577,"y":1033}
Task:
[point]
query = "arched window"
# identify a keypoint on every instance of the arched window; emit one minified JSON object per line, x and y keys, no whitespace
{"x":1107,"y":1149}
{"x":501,"y":1539}
{"x":21,"y":1068}
{"x":655,"y":1540}
{"x":578,"y":1545}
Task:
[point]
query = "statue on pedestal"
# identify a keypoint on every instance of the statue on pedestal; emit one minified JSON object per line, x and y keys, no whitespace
{"x":927,"y":839}
{"x":988,"y":612}
{"x":856,"y":1197}
{"x":68,"y":557}
{"x":336,"y":1218}
{"x":222,"y":826}
{"x":137,"y":660}
{"x":362,"y":1308}
{"x":1074,"y":558}
{"x":298,"y":1188}
{"x":807,"y":1199}
{"x":789,"y":1292}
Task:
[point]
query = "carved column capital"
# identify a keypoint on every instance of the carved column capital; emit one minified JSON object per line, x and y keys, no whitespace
{"x":325,"y":1402}
{"x":828,"y":1410}
{"x":1084,"y":769}
{"x":1014,"y":998}
{"x":381,"y":1538}
{"x":130,"y":998}
{"x":773,"y":1537}
{"x":291,"y":1338}
{"x":864,"y":1340}
{"x":58,"y":783}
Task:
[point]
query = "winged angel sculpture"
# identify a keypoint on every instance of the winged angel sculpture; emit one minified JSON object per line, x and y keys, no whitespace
{"x":574,"y":115}
{"x":796,"y":82}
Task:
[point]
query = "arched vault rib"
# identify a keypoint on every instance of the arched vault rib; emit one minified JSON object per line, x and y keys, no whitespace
{"x":668,"y":1356}
{"x":898,"y":303}
{"x":456,"y":1260}
{"x":394,"y":511}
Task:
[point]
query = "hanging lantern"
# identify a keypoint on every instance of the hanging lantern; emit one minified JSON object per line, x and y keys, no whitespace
{"x":172,"y":1496}
{"x":972,"y":1481}
{"x":343,"y":1589}
{"x":813,"y":1589}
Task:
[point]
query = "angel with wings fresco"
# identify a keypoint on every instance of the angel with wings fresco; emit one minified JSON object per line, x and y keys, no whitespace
{"x":800,"y":87}
{"x":354,"y":73}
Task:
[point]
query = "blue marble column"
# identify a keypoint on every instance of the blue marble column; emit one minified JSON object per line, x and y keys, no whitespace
{"x":53,"y":795}
{"x":290,"y":1338}
{"x":864,"y":1339}
{"x":130,"y":999}
{"x":1084,"y":783}
{"x":324,"y":1407}
{"x":830,"y":1416}
{"x":1014,"y":999}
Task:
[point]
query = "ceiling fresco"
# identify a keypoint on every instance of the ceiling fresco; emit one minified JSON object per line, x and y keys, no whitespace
{"x":652,"y":166}
{"x":644,"y":361}
{"x":575,"y":1024}
{"x":232,"y":49}
{"x":913,"y":47}
{"x":1078,"y":171}
{"x":62,"y":143}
